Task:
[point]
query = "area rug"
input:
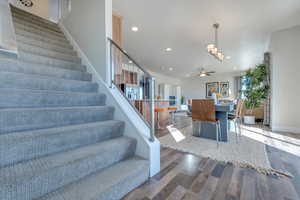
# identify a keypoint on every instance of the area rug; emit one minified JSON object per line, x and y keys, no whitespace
{"x":245,"y":152}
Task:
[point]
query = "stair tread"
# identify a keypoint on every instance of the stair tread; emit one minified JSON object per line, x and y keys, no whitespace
{"x":29,"y":169}
{"x":62,"y":43}
{"x":27,"y":33}
{"x":46,"y":174}
{"x":21,"y":135}
{"x":27,"y":25}
{"x":20,"y":27}
{"x":50,"y":61}
{"x":50,"y":57}
{"x":46,"y":92}
{"x":17,"y":18}
{"x":54,"y":109}
{"x":46,"y":78}
{"x":43,"y":142}
{"x":46,"y":46}
{"x":98,"y":184}
{"x":21,"y":11}
{"x":31,"y":48}
{"x":35,"y":64}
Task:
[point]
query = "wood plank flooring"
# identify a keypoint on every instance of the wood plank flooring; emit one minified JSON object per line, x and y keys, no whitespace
{"x":185,"y":176}
{"x":188,"y":177}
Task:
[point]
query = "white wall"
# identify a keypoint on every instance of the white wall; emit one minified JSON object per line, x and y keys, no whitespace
{"x":285,"y":51}
{"x":195,"y":87}
{"x":54,"y":10}
{"x":40,"y":7}
{"x":164,"y":79}
{"x":90,"y":25}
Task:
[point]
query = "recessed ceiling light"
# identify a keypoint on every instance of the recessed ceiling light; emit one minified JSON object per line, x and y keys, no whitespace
{"x":130,"y":62}
{"x":187,"y":75}
{"x":168,"y":49}
{"x":228,"y":57}
{"x":171,"y":69}
{"x":135,"y":29}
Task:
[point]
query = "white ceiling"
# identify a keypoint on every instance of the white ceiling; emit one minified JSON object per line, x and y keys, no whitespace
{"x":186,"y":27}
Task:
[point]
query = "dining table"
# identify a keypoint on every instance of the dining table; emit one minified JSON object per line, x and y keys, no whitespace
{"x":208,"y":130}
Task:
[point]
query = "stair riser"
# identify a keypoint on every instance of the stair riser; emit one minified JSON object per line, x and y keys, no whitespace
{"x":51,"y":41}
{"x":16,"y":98}
{"x":56,"y":40}
{"x":12,"y":120}
{"x":37,"y":69}
{"x":50,"y":61}
{"x":24,"y":20}
{"x":45,"y":52}
{"x":26,"y":24}
{"x":134,"y":180}
{"x":112,"y":183}
{"x":22,"y":81}
{"x":33,"y":17}
{"x":20,"y":27}
{"x":47,"y":142}
{"x":46,"y":45}
{"x":59,"y":176}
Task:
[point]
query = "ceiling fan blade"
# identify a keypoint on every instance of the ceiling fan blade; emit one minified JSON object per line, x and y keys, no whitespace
{"x":211,"y":72}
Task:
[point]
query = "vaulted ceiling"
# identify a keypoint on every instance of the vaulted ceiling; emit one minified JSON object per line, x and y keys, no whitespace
{"x":186,"y":27}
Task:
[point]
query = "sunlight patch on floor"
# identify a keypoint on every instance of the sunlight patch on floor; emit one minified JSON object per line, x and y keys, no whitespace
{"x":176,"y":134}
{"x":284,"y":143}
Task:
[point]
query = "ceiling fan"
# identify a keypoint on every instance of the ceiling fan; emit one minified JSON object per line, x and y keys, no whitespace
{"x":204,"y":73}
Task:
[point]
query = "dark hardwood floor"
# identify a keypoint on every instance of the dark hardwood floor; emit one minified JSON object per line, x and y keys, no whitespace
{"x":189,"y":177}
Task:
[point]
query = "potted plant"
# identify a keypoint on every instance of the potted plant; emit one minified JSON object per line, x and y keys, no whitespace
{"x":257,"y":90}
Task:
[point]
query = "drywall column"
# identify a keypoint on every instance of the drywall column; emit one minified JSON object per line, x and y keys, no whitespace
{"x":89,"y":23}
{"x":285,"y":67}
{"x":7,"y":34}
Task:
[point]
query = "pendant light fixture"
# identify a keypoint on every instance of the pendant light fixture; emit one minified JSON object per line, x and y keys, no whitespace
{"x":214,"y":49}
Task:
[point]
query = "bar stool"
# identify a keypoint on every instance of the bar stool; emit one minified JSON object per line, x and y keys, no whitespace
{"x":157,"y":111}
{"x":237,"y":118}
{"x":172,"y":110}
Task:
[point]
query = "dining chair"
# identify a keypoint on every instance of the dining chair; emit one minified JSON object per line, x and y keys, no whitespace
{"x":237,"y":117}
{"x":204,"y":111}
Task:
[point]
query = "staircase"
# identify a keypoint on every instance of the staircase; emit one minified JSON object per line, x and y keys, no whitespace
{"x":58,"y":139}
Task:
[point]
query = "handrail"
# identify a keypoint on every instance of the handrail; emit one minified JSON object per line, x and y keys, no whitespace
{"x":125,"y":53}
{"x":148,"y":84}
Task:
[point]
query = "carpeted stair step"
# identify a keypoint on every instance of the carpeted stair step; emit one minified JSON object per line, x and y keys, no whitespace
{"x":13,"y":65}
{"x":31,"y":37}
{"x":29,"y":57}
{"x":37,"y":82}
{"x":39,"y":32}
{"x":46,"y":52}
{"x":39,"y":22}
{"x":57,"y":40}
{"x":109,"y":184}
{"x":26,"y":98}
{"x":32,"y":19}
{"x":32,"y":179}
{"x":44,"y":142}
{"x":24,"y":13}
{"x":46,"y":45}
{"x":22,"y":119}
{"x":33,"y":24}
